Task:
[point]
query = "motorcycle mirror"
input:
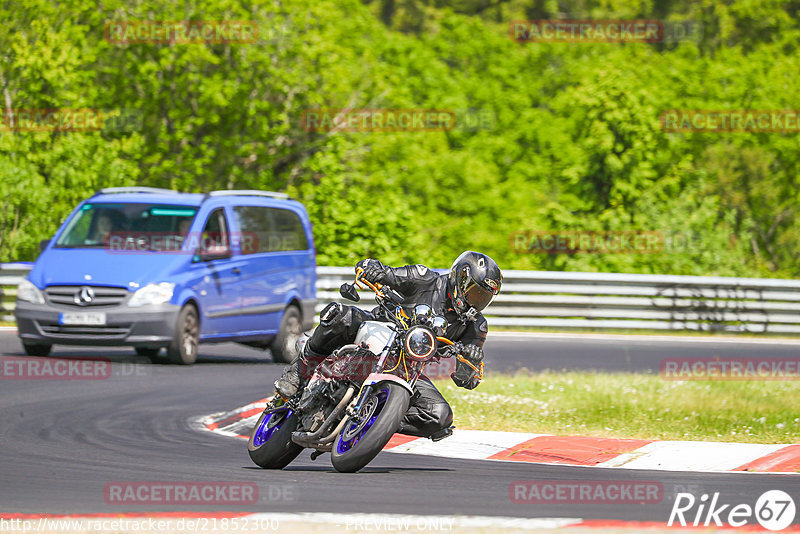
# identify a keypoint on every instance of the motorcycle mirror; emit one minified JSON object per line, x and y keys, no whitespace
{"x":349,"y":292}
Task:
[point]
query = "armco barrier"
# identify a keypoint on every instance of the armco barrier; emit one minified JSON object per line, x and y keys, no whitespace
{"x":549,"y":299}
{"x":10,"y":276}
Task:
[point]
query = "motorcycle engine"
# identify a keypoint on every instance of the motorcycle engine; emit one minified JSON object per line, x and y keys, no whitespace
{"x":318,"y":401}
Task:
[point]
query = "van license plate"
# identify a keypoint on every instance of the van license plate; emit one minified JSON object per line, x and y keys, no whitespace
{"x":82,"y":318}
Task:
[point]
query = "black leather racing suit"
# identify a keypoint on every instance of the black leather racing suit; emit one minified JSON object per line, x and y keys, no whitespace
{"x":429,"y":411}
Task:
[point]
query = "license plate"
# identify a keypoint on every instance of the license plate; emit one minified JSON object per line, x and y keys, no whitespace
{"x":82,"y":318}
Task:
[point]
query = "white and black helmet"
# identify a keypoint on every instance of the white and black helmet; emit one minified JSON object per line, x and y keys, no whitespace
{"x":473,"y":283}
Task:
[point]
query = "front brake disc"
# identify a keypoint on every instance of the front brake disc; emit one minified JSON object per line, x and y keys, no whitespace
{"x":275,"y":421}
{"x":364,"y":415}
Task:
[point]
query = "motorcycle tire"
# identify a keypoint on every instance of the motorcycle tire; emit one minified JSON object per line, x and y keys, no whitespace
{"x":355,"y":447}
{"x":271,"y":447}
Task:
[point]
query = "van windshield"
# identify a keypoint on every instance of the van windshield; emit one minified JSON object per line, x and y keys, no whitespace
{"x":102,"y":225}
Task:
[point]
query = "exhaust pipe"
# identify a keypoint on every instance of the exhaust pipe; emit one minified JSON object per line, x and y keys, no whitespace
{"x":302,"y":438}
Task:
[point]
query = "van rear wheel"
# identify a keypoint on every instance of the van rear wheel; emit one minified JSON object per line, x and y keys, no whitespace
{"x":182,"y":349}
{"x":283,"y":346}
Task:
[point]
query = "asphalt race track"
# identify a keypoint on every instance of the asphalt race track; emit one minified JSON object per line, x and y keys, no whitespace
{"x":508,"y":352}
{"x":63,"y":441}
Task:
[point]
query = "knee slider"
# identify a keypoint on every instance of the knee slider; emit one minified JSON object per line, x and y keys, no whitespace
{"x":443,"y":414}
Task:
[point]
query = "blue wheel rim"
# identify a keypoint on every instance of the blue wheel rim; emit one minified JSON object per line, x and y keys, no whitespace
{"x":264,"y":431}
{"x":342,"y":446}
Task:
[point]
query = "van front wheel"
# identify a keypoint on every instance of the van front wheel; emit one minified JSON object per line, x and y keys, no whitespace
{"x":183,"y":347}
{"x":283,"y":346}
{"x":37,"y":350}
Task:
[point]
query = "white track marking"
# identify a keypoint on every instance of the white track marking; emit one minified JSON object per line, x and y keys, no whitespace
{"x":467,"y":444}
{"x":695,"y":456}
{"x":691,"y":456}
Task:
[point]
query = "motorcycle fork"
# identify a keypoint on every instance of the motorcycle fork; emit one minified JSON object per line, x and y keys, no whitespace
{"x":366,"y":391}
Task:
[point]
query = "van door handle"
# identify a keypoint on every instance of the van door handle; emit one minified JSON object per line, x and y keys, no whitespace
{"x":236,"y":270}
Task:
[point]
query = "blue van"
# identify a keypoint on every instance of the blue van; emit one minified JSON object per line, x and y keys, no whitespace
{"x":154,"y":268}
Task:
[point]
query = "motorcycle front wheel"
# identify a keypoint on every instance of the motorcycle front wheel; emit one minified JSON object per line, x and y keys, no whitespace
{"x":271,"y":445}
{"x":358,"y":443}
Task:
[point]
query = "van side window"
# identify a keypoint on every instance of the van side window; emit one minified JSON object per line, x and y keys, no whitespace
{"x":270,"y":230}
{"x":215,"y":236}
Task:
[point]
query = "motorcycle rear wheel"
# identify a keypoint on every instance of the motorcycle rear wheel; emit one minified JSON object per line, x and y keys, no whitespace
{"x":271,"y":445}
{"x":357,"y":445}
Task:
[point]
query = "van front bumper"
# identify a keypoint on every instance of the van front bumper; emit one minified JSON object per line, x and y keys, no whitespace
{"x":146,"y":326}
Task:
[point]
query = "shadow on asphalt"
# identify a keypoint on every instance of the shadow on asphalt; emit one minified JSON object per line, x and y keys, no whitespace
{"x":366,"y":471}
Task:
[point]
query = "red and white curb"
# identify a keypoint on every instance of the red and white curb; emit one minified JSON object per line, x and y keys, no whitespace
{"x":194,"y":521}
{"x":563,"y":450}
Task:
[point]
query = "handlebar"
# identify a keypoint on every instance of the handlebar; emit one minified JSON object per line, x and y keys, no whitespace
{"x":478,"y":370}
{"x":376,"y":287}
{"x":382,"y":291}
{"x":385,"y":292}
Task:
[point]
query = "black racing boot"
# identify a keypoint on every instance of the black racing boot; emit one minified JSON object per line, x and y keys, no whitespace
{"x":289,"y":382}
{"x":296,"y":374}
{"x":443,"y":433}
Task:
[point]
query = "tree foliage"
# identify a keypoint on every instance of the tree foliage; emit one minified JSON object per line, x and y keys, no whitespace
{"x":569,"y":137}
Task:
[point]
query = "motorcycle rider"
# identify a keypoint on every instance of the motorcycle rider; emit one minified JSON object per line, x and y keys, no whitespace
{"x":460,"y":296}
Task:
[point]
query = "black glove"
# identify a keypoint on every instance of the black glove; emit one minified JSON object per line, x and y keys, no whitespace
{"x":374,"y":271}
{"x":466,"y":375}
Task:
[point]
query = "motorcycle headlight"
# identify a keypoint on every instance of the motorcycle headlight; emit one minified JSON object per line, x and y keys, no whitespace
{"x":28,"y":292}
{"x":420,"y":343}
{"x":152,"y":294}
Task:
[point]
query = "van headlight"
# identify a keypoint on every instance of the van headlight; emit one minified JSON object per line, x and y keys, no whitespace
{"x":28,"y":292}
{"x":152,"y":294}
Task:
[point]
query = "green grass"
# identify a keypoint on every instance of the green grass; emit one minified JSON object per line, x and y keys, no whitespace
{"x":630,"y":406}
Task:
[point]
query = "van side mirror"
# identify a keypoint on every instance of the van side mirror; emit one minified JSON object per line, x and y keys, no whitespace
{"x":43,"y":244}
{"x":216,"y":253}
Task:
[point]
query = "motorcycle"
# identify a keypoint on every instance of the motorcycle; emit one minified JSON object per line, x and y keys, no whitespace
{"x":356,"y":398}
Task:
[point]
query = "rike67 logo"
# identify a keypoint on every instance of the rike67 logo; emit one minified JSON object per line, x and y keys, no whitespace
{"x":774,"y":510}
